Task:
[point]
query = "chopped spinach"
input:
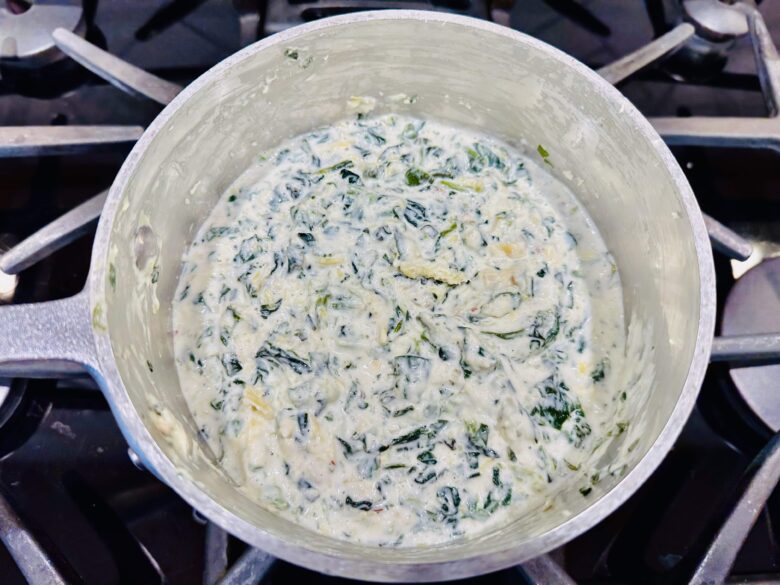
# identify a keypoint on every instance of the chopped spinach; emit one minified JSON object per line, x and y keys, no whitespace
{"x":267,"y":310}
{"x":465,"y":368}
{"x":396,"y":322}
{"x":345,"y":447}
{"x":449,"y":501}
{"x":310,"y":493}
{"x":506,"y":334}
{"x":345,"y":164}
{"x":600,"y":371}
{"x":216,"y":232}
{"x":545,"y":328}
{"x":488,"y":156}
{"x":415,"y":213}
{"x":544,"y":154}
{"x":283,"y":357}
{"x":350,"y":177}
{"x":423,"y":432}
{"x":248,"y":250}
{"x":425,"y":477}
{"x":364,"y":505}
{"x":226,"y":290}
{"x":306,"y":237}
{"x":414,"y":435}
{"x":557,"y":406}
{"x":477,"y":435}
{"x":416,"y":177}
{"x":427,"y":457}
{"x":375,"y":137}
{"x":303,"y":423}
{"x":449,"y":230}
{"x":412,"y":369}
{"x":231,"y":364}
{"x":403,"y":411}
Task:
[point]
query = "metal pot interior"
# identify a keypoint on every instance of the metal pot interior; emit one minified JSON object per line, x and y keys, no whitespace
{"x":470,"y":74}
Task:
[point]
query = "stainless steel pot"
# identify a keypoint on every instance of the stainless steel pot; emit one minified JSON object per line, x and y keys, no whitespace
{"x":461,"y":70}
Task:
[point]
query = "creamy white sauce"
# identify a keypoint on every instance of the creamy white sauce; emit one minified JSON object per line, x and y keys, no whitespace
{"x":396,"y":332}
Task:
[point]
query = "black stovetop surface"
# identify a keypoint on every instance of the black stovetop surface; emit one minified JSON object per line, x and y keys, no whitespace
{"x":63,"y":462}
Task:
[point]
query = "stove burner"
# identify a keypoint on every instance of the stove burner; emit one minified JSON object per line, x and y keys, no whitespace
{"x":757,"y":385}
{"x":283,"y":14}
{"x":25,"y":30}
{"x":718,"y":25}
{"x":716,"y":20}
{"x":64,"y":463}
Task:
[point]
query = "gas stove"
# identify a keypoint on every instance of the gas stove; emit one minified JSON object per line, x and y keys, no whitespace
{"x":77,"y":507}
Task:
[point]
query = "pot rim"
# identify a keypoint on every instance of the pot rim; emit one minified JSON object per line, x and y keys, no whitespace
{"x":358,"y":566}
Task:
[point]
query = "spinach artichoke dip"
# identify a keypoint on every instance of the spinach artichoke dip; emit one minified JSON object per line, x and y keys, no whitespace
{"x":396,"y":332}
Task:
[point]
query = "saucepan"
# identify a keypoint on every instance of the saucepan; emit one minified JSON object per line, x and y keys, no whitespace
{"x":455,"y":69}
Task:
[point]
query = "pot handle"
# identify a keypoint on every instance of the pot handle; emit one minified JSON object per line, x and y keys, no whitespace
{"x":42,"y":340}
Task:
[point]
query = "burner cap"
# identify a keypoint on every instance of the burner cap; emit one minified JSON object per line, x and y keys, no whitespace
{"x":25,"y":30}
{"x":718,"y":25}
{"x":752,"y":307}
{"x":716,"y":20}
